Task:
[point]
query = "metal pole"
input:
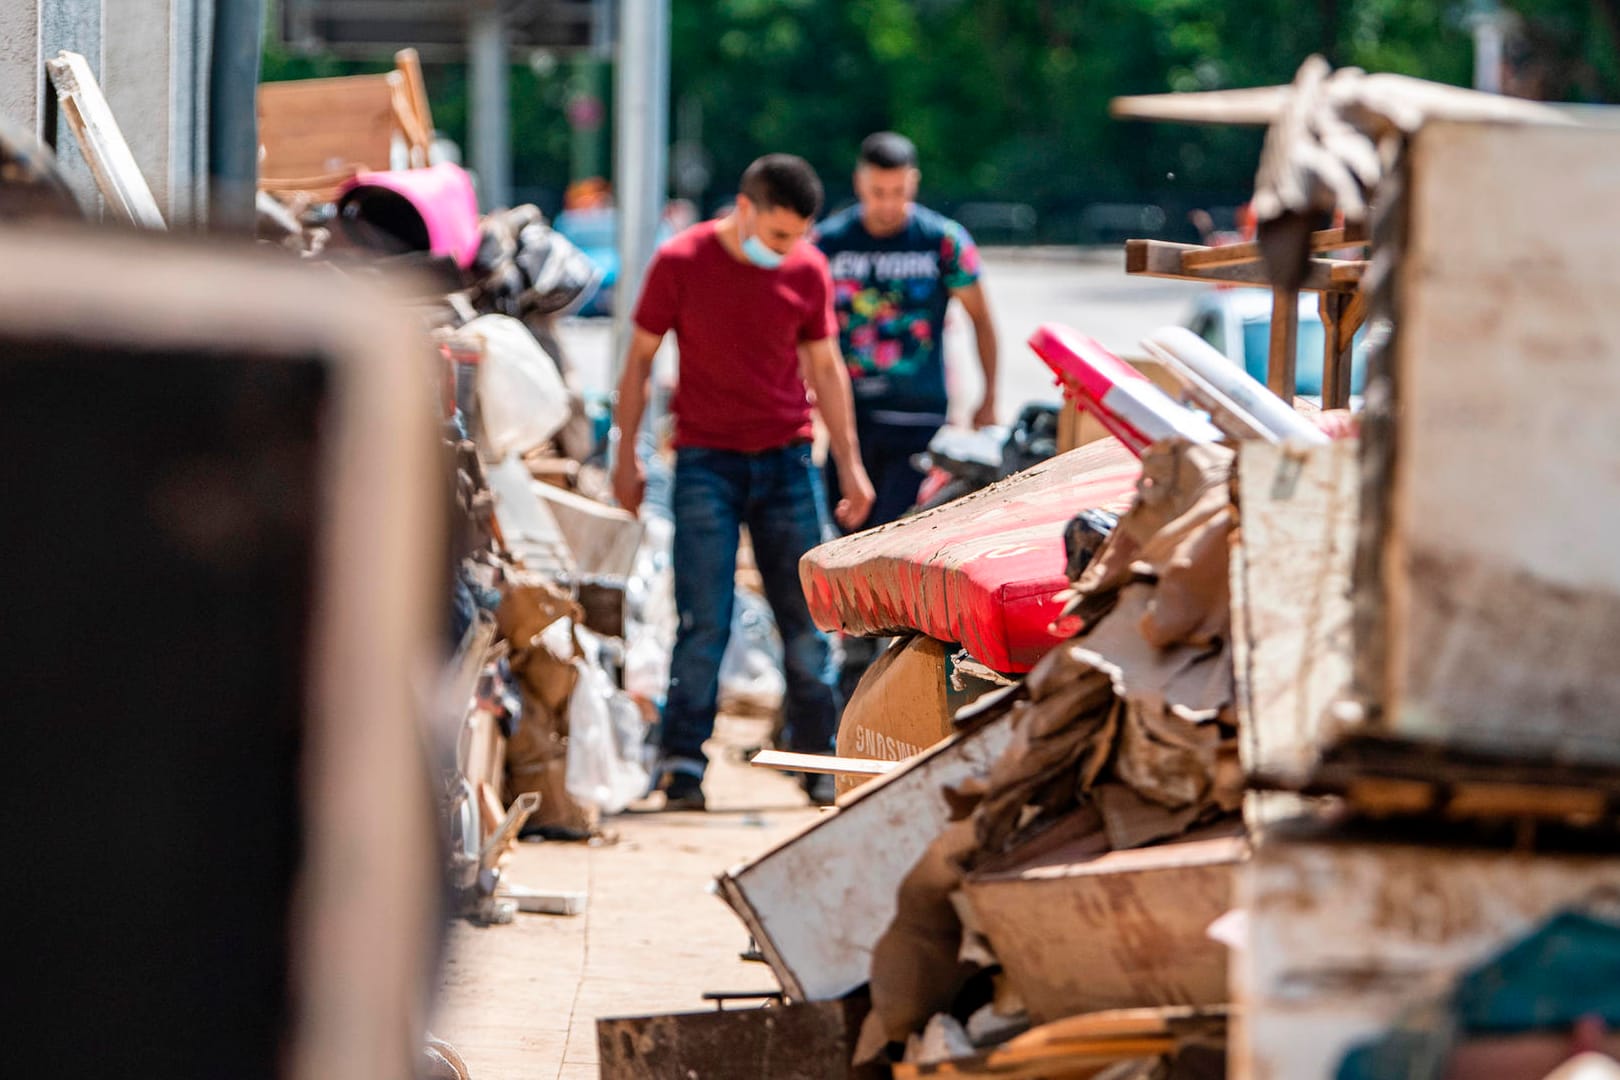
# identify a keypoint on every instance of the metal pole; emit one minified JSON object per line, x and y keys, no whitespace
{"x":490,"y":122}
{"x":233,"y":115}
{"x":641,"y":167}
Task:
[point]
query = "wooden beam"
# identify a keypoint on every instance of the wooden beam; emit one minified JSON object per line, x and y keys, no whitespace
{"x":1334,"y":309}
{"x":105,"y":150}
{"x":1249,"y":251}
{"x":822,"y":763}
{"x":1282,"y":360}
{"x":1162,"y":259}
{"x":1257,"y":106}
{"x":409,"y":65}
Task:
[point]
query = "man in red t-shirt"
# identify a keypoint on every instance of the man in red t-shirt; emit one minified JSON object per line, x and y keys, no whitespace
{"x":751,"y":307}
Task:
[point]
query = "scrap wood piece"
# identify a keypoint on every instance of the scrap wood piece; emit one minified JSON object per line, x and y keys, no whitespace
{"x":318,"y":127}
{"x":1249,"y":251}
{"x":419,"y":131}
{"x":1163,"y":259}
{"x":1412,"y":100}
{"x":105,"y":149}
{"x":1082,"y":1046}
{"x":821,"y":763}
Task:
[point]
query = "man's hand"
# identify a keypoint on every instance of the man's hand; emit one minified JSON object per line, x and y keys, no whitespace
{"x":629,"y":480}
{"x":986,"y":416}
{"x":856,"y":505}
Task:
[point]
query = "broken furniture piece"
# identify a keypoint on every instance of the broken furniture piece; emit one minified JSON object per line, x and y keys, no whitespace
{"x":817,"y":902}
{"x":315,"y":134}
{"x":1087,"y":933}
{"x":982,"y":571}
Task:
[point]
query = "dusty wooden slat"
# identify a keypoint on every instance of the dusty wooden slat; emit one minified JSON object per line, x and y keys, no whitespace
{"x":1347,"y":273}
{"x":1161,"y":258}
{"x":1249,"y":251}
{"x":409,"y":64}
{"x":105,"y":150}
{"x":821,"y":763}
{"x":1382,"y":796}
{"x":1526,"y":800}
{"x":1336,"y":359}
{"x":1256,"y":106}
{"x":1282,"y":359}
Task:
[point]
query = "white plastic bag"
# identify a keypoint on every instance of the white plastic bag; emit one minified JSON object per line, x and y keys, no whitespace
{"x":605,"y":732}
{"x":522,"y":400}
{"x":751,"y":678}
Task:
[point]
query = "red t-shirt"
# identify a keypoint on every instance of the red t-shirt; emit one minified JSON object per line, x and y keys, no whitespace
{"x":738,"y":328}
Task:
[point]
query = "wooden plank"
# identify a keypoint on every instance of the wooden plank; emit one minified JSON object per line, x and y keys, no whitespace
{"x":409,"y":64}
{"x":1282,"y":359}
{"x":316,"y":127}
{"x":1334,"y":309}
{"x":1290,"y":581}
{"x":1346,"y":938}
{"x":822,"y":763}
{"x":818,"y":902}
{"x":1503,"y":603}
{"x":1120,"y":930}
{"x":1161,"y":258}
{"x":1249,"y":251}
{"x":1254,"y":106}
{"x":105,"y":150}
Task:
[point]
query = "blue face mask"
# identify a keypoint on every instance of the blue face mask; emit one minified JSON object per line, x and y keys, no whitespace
{"x":761,"y":256}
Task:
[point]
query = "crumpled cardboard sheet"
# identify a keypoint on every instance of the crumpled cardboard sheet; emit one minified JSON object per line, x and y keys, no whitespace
{"x":537,"y":753}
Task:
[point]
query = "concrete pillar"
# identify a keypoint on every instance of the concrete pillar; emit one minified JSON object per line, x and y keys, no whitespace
{"x":74,"y":25}
{"x":490,"y":122}
{"x":21,"y":70}
{"x":135,"y":71}
{"x":641,"y":168}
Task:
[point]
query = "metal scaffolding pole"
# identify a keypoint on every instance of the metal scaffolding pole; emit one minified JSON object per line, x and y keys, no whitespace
{"x":491,"y":119}
{"x":641,"y":167}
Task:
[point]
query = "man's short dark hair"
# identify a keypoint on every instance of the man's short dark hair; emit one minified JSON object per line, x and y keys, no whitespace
{"x":888,"y":150}
{"x":785,"y":181}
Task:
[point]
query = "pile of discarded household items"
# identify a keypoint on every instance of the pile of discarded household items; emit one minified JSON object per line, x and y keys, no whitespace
{"x":1304,"y":766}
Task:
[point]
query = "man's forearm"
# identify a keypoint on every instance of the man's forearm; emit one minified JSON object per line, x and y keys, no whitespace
{"x":830,"y":381}
{"x":631,"y":406}
{"x":985,"y":335}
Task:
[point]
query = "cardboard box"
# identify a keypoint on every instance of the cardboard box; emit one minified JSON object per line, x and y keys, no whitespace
{"x":903,"y":705}
{"x":1347,"y":938}
{"x":1487,"y":566}
{"x":1122,"y":930}
{"x":818,"y":902}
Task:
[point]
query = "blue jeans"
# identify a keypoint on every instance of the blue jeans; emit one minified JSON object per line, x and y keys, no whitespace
{"x":778,"y":495}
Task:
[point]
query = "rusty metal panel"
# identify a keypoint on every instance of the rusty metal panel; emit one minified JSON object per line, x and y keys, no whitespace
{"x":812,"y":1041}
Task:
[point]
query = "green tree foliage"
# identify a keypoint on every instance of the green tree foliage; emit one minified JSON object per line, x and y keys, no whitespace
{"x":1007,"y":99}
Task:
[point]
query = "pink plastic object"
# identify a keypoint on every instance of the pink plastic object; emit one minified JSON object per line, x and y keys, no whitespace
{"x":444,"y":198}
{"x":1129,"y":405}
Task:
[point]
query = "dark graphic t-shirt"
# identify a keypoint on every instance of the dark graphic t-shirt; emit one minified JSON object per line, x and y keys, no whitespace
{"x":890,"y":293}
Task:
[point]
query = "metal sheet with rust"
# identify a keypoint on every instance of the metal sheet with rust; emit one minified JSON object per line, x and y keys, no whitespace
{"x":793,"y":1042}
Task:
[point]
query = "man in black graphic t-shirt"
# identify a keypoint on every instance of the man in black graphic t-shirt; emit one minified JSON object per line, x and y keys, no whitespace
{"x":895,"y":267}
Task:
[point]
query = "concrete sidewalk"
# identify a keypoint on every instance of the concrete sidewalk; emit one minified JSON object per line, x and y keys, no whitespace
{"x":521,"y":1001}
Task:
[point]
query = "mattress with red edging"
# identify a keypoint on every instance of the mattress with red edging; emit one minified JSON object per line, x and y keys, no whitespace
{"x":983,"y":571}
